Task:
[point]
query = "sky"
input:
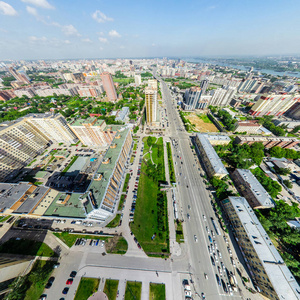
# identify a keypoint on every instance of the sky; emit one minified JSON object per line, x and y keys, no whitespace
{"x":60,"y":29}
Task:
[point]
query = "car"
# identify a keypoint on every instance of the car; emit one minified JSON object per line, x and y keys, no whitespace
{"x":219,"y":253}
{"x":212,"y":233}
{"x":210,"y":239}
{"x":69,"y":281}
{"x":195,"y":238}
{"x":205,"y":276}
{"x":218,"y":280}
{"x":212,"y":261}
{"x":229,"y":251}
{"x":43,"y":297}
{"x":188,"y":216}
{"x":216,"y":257}
{"x":73,"y":274}
{"x":207,"y":229}
{"x":65,"y":291}
{"x":223,"y":266}
{"x":203,"y":296}
{"x":209,"y":250}
{"x":51,"y":279}
{"x":56,"y":265}
{"x":204,"y":218}
{"x":220,"y":271}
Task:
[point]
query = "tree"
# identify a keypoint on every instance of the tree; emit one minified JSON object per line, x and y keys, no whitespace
{"x":288,"y":184}
{"x":283,"y":171}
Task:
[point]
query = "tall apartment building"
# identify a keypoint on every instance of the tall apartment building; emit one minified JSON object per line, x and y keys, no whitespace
{"x":20,"y":142}
{"x":211,"y":160}
{"x":248,"y":85}
{"x":54,"y":126}
{"x":91,"y":132}
{"x":204,"y":85}
{"x":151,"y":105}
{"x":269,"y":274}
{"x":137,"y":80}
{"x":192,"y":97}
{"x":22,"y":77}
{"x":109,"y":86}
{"x":251,"y":189}
{"x":152,"y":83}
{"x":274,"y":104}
{"x":223,"y":96}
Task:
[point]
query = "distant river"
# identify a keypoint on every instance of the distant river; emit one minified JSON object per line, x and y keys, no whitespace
{"x":242,"y":68}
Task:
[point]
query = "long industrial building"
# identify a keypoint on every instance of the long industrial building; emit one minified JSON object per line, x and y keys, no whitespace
{"x":211,"y":160}
{"x":269,"y":273}
{"x":251,"y":189}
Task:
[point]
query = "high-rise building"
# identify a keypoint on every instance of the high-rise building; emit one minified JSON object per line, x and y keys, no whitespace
{"x":54,"y":126}
{"x":137,"y":80}
{"x":22,"y":77}
{"x":91,"y":132}
{"x":248,"y":85}
{"x":223,"y":96}
{"x":203,"y":85}
{"x":152,"y":83}
{"x":151,"y":105}
{"x":108,"y":86}
{"x":192,"y":97}
{"x":20,"y":142}
{"x":274,"y":104}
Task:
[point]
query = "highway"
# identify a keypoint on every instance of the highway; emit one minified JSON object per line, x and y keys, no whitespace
{"x":195,"y":201}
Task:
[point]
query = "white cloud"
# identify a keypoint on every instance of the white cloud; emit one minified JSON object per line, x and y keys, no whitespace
{"x":101,"y":33}
{"x":68,"y":29}
{"x":67,"y":42}
{"x":122,"y":47}
{"x":114,"y":33}
{"x":3,"y":30}
{"x":153,"y":45}
{"x":100,"y":48}
{"x":7,"y":9}
{"x":36,"y":39}
{"x":32,"y":11}
{"x":102,"y":40}
{"x":87,"y":40}
{"x":100,"y":17}
{"x":40,"y":3}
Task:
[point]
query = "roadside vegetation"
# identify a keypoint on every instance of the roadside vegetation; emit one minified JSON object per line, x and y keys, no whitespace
{"x":126,"y":182}
{"x":133,"y":290}
{"x":114,"y":222}
{"x":157,"y":291}
{"x":266,"y":121}
{"x":86,"y":288}
{"x":187,"y":123}
{"x":170,"y":163}
{"x":70,"y":164}
{"x":121,"y":203}
{"x":111,"y":288}
{"x":227,"y":120}
{"x":152,"y":232}
{"x":179,"y":232}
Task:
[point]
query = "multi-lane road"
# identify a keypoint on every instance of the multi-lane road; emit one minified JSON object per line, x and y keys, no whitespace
{"x":195,"y":201}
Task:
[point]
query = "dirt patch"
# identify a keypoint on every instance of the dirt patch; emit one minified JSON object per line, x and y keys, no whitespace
{"x":200,"y":125}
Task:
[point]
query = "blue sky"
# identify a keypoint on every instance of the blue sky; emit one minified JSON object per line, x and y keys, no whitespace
{"x":41,"y":29}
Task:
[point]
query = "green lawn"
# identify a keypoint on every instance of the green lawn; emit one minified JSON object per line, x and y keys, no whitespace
{"x":170,"y":163}
{"x":179,"y":232}
{"x":134,"y":146}
{"x":116,"y":245}
{"x":111,"y":288}
{"x":70,"y":164}
{"x":157,"y":291}
{"x":133,"y":290}
{"x":115,"y":222}
{"x":204,"y":118}
{"x":144,"y":228}
{"x":126,"y":182}
{"x":27,"y":247}
{"x":86,"y":288}
{"x":121,"y":203}
{"x":4,"y":218}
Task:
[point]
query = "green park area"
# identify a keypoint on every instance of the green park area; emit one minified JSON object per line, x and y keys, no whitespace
{"x":86,"y":288}
{"x":152,"y":232}
{"x":114,"y":222}
{"x":133,"y":290}
{"x":27,"y":247}
{"x":111,"y":288}
{"x":204,"y":118}
{"x":157,"y":291}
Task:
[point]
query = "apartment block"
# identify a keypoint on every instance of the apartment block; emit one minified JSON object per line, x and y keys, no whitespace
{"x":250,"y":126}
{"x":192,"y":97}
{"x":92,"y":132}
{"x":222,"y":96}
{"x":20,"y":142}
{"x":109,"y":86}
{"x":274,"y":104}
{"x":209,"y":156}
{"x":269,"y":274}
{"x":251,"y":189}
{"x":151,"y":105}
{"x":152,"y":83}
{"x":137,"y":80}
{"x":53,"y":126}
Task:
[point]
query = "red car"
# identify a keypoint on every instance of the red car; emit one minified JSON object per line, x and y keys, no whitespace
{"x":69,"y":281}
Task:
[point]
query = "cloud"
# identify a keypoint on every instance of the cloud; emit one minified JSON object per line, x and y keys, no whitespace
{"x":67,"y":42}
{"x":36,"y":39}
{"x":40,"y":3}
{"x":100,"y":17}
{"x":101,"y":33}
{"x":100,"y":48}
{"x":153,"y":45}
{"x":68,"y":29}
{"x":7,"y":9}
{"x":122,"y":47}
{"x":32,"y":11}
{"x":114,"y":33}
{"x":3,"y":30}
{"x":102,"y":40}
{"x":211,"y":7}
{"x":87,"y":40}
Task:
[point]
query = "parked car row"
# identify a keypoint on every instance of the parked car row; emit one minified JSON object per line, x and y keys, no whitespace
{"x":96,"y":242}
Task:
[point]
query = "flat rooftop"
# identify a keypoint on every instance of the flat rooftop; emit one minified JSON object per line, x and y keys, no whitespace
{"x":257,"y":189}
{"x":280,"y":276}
{"x":216,"y":137}
{"x":212,"y":155}
{"x":80,"y":122}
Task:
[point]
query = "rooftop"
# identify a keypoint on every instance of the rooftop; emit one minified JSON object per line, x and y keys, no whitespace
{"x":92,"y":120}
{"x":257,"y":189}
{"x":216,"y":137}
{"x":212,"y":155}
{"x":280,"y":276}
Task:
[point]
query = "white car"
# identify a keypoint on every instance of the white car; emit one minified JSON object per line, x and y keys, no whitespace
{"x":219,"y":253}
{"x":216,"y":257}
{"x":195,"y":238}
{"x":220,"y":271}
{"x":209,"y":250}
{"x":207,"y":229}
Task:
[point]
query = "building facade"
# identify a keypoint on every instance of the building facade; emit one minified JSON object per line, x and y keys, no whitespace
{"x":137,"y":80}
{"x":192,"y":98}
{"x":223,"y":96}
{"x":109,"y":86}
{"x":151,"y":105}
{"x":267,"y":269}
{"x":250,"y":126}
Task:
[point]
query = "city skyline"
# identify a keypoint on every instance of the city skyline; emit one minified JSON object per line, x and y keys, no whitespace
{"x":41,"y":29}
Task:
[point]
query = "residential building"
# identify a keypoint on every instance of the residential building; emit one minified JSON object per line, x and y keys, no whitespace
{"x":24,"y":92}
{"x":102,"y":196}
{"x":294,"y":111}
{"x":274,"y":104}
{"x":250,"y":126}
{"x":137,"y":80}
{"x":217,"y":139}
{"x":92,"y":132}
{"x":268,"y":142}
{"x":122,"y":114}
{"x":248,"y":86}
{"x":251,"y":189}
{"x":20,"y":142}
{"x":19,"y":76}
{"x":7,"y":95}
{"x":109,"y":86}
{"x":151,"y":105}
{"x":152,"y":83}
{"x":289,"y":124}
{"x":204,"y":85}
{"x":54,"y":126}
{"x":222,"y":96}
{"x":269,"y":274}
{"x":211,"y":160}
{"x":192,"y":98}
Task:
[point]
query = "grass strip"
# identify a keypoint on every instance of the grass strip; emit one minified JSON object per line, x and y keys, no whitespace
{"x":170,"y":163}
{"x":87,"y":287}
{"x":157,"y":291}
{"x":133,"y":290}
{"x":111,"y":288}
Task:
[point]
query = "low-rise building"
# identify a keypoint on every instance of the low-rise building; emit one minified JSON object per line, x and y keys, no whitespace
{"x":251,"y":189}
{"x":250,"y":126}
{"x":211,"y":160}
{"x":269,"y":273}
{"x":217,"y":139}
{"x":122,"y":114}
